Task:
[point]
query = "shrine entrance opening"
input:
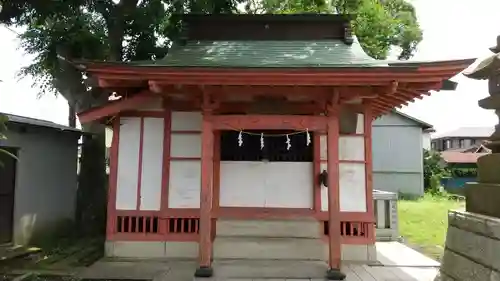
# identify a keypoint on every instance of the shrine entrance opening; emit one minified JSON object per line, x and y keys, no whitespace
{"x":276,"y":165}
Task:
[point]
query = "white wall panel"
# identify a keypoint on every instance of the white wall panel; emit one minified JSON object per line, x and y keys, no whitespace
{"x":324,"y":190}
{"x":185,"y":145}
{"x":350,"y":148}
{"x":360,"y":124}
{"x":266,"y":184}
{"x":186,"y":121}
{"x":152,"y":163}
{"x":128,"y":163}
{"x":184,"y":184}
{"x":242,"y":184}
{"x":352,"y":186}
{"x":289,"y":184}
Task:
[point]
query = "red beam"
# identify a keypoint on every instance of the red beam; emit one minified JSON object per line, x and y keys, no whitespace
{"x":114,"y":107}
{"x":270,"y":122}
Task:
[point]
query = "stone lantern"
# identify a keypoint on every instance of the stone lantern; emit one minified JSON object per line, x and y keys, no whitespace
{"x":482,"y":197}
{"x":472,"y":249}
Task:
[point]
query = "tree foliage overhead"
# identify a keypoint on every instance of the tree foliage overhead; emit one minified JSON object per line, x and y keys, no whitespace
{"x":379,"y":25}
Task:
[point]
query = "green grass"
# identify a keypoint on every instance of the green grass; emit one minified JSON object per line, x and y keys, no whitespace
{"x":423,"y":222}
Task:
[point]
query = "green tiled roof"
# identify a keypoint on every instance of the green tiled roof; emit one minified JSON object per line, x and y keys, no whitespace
{"x":324,"y":53}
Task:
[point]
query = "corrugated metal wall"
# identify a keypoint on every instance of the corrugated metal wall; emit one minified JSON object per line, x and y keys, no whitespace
{"x":397,"y":155}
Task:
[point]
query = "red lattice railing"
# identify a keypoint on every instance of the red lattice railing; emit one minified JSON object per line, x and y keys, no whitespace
{"x":152,"y":227}
{"x":352,"y":232}
{"x":156,"y":228}
{"x":137,"y":224}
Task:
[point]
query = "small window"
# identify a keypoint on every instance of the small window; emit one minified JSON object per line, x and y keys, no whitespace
{"x":473,"y":141}
{"x":433,"y":145}
{"x":461,"y":143}
{"x":447,"y":144}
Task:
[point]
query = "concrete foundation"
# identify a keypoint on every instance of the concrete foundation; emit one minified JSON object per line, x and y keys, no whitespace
{"x":271,"y":239}
{"x":189,"y":250}
{"x":472,"y":248}
{"x":151,"y":249}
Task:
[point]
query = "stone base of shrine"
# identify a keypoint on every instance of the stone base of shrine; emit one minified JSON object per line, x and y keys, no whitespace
{"x":482,"y":198}
{"x":472,"y":247}
{"x":189,"y":250}
{"x":151,"y":249}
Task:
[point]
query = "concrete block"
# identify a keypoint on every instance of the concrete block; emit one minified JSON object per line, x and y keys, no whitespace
{"x":304,"y":228}
{"x":181,"y":249}
{"x":469,"y":244}
{"x":461,"y":268}
{"x":139,"y":249}
{"x":482,"y":198}
{"x":468,"y":221}
{"x":268,"y":248}
{"x":354,"y":252}
{"x":109,"y":249}
{"x":487,"y":171}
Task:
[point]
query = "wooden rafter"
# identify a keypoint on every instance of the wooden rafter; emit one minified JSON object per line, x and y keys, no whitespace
{"x":114,"y":107}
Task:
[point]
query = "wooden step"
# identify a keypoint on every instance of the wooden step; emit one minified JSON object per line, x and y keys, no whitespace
{"x":299,"y":228}
{"x":282,"y":269}
{"x":268,"y":248}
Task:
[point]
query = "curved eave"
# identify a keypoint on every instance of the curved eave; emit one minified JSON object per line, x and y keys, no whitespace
{"x":410,"y":80}
{"x":344,"y":75}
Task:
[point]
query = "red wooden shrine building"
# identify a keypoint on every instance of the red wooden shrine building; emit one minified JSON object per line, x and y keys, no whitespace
{"x":250,"y":118}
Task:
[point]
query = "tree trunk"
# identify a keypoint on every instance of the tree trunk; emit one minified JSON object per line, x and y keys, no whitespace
{"x":71,"y":115}
{"x":92,"y":182}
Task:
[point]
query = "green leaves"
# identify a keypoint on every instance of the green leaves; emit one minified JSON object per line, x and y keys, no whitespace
{"x":3,"y":128}
{"x":379,"y":25}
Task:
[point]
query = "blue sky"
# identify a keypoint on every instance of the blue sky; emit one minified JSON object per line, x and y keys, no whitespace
{"x":452,"y":29}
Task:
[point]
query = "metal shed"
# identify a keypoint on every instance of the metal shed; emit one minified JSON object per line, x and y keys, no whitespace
{"x":38,"y":190}
{"x":398,"y":142}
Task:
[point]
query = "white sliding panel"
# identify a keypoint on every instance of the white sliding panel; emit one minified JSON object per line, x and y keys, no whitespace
{"x":152,"y":163}
{"x":288,"y":184}
{"x":128,"y":163}
{"x":242,"y":184}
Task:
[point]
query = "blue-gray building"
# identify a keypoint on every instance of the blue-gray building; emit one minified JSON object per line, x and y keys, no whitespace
{"x":37,"y":191}
{"x":398,"y":142}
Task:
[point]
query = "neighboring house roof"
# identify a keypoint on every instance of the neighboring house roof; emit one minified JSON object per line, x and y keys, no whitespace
{"x":38,"y":123}
{"x":461,"y":157}
{"x":476,"y":148}
{"x":426,"y":126}
{"x":467,"y":132}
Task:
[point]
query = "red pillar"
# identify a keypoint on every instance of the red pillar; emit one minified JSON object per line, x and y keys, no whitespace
{"x":113,"y":178}
{"x":333,"y":133}
{"x":206,"y":194}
